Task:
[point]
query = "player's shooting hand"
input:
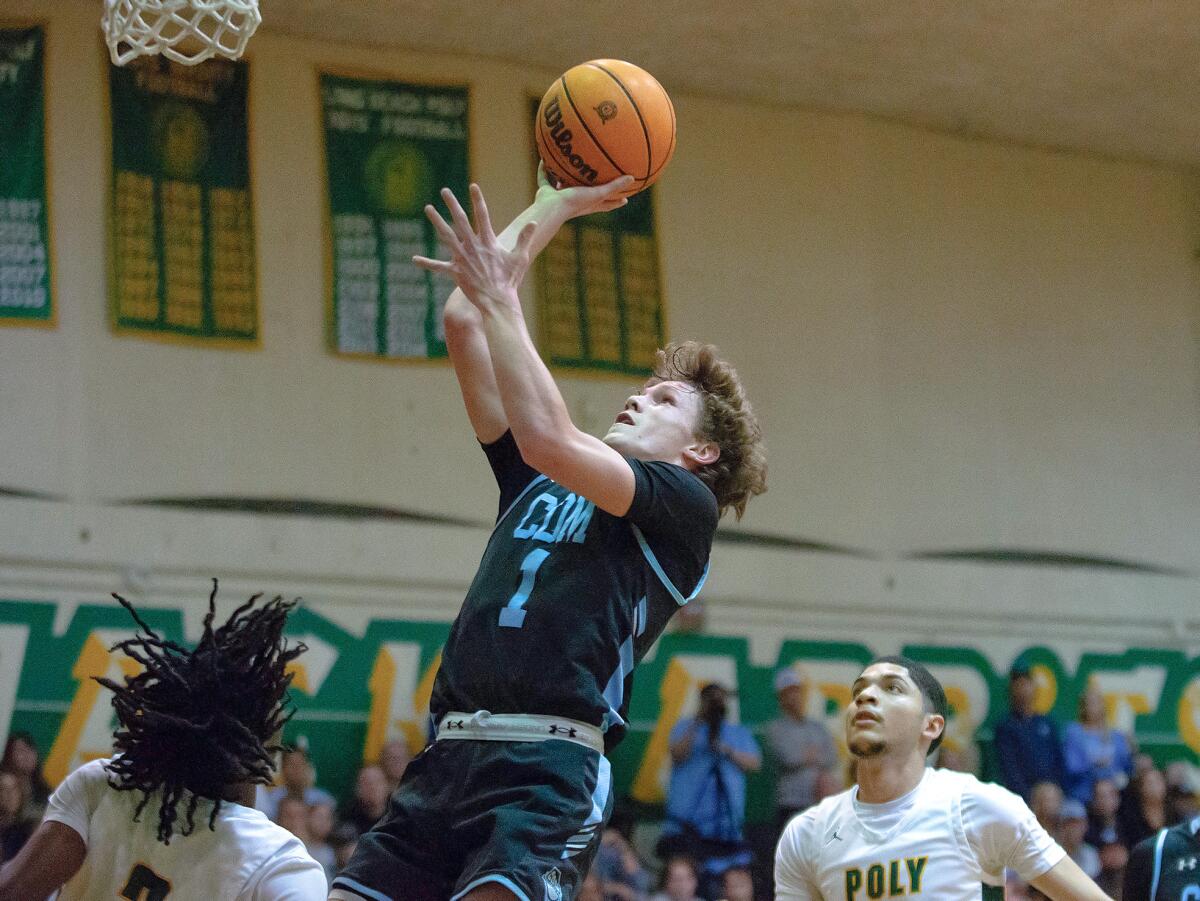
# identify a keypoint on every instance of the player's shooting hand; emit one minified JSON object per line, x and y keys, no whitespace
{"x":583,"y":201}
{"x":487,"y":272}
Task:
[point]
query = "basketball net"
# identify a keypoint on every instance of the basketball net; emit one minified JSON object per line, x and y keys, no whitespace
{"x":186,"y":31}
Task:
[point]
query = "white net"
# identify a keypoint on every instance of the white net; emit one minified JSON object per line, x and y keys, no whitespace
{"x":186,"y":31}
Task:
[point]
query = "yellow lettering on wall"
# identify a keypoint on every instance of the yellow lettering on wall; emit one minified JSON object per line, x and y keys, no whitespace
{"x":1045,"y":691}
{"x":1188,"y":716}
{"x":672,"y":693}
{"x":415,"y":732}
{"x":398,"y":706}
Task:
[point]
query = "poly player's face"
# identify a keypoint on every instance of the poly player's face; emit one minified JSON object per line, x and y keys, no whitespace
{"x":660,"y":423}
{"x":886,"y":712}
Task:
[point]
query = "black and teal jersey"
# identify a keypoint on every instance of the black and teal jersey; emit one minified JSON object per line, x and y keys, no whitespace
{"x":569,"y":598}
{"x":1165,"y":866}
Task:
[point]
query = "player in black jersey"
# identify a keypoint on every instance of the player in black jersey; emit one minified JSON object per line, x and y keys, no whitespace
{"x":597,"y":543}
{"x":1166,"y":866}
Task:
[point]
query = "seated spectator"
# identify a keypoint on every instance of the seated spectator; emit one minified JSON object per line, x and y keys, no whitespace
{"x":1091,"y":750}
{"x":1183,"y":791}
{"x":1102,"y":814}
{"x":1113,"y":859}
{"x":621,"y":874}
{"x":680,"y":880}
{"x":394,"y":760}
{"x":1143,"y":808}
{"x":297,"y":778}
{"x":343,"y":839}
{"x":320,"y":825}
{"x":370,"y":799}
{"x":737,"y":885}
{"x":590,"y":890}
{"x":292,"y":815}
{"x":21,"y":759}
{"x":1027,"y":743}
{"x":1046,"y":802}
{"x":1074,"y":824}
{"x":15,"y":825}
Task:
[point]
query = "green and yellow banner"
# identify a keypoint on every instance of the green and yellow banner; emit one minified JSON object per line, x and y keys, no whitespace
{"x":182,"y":229}
{"x":355,"y":690}
{"x":389,"y":147}
{"x":25,"y":296}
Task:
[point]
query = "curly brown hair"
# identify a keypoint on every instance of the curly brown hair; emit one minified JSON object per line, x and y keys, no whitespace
{"x":728,"y":419}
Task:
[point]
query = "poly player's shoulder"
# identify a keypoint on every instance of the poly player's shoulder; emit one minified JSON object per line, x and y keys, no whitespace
{"x":666,"y":488}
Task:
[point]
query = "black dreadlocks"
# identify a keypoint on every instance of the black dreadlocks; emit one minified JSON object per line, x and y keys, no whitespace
{"x":199,"y":721}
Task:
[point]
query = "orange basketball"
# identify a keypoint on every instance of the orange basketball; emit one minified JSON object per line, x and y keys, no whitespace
{"x":604,"y":119}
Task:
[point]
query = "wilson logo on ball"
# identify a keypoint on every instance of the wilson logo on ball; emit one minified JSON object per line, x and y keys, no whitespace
{"x":562,"y":139}
{"x":606,"y":110}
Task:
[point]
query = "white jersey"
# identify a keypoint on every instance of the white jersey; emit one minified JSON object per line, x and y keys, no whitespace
{"x":245,"y":858}
{"x":950,"y":839}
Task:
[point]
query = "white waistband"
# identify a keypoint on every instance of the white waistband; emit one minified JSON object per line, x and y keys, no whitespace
{"x":484,"y":726}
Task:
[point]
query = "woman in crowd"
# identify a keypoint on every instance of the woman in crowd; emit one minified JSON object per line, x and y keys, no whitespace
{"x":1092,"y":750}
{"x":680,"y":880}
{"x":15,"y":825}
{"x":21,"y":759}
{"x":1143,"y":808}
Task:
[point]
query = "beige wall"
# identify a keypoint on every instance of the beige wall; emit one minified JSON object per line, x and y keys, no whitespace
{"x":953,"y":344}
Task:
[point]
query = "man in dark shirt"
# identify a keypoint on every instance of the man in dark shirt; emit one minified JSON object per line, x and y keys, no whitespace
{"x":1027,"y":743}
{"x":1165,"y":866}
{"x":597,"y":543}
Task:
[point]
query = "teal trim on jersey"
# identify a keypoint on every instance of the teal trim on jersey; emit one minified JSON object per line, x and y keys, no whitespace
{"x":495,"y":877}
{"x":662,"y":576}
{"x":992,"y":892}
{"x":359,"y":889}
{"x":1158,"y":852}
{"x":524,"y":492}
{"x":614,"y":691}
{"x":639,"y":618}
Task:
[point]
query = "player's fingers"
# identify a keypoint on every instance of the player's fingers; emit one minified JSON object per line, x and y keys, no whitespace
{"x":445,"y":232}
{"x":433,"y":265}
{"x":483,"y":221}
{"x":542,"y":180}
{"x":461,"y":223}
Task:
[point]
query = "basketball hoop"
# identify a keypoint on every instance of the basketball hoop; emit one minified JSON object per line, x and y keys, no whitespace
{"x":186,"y":31}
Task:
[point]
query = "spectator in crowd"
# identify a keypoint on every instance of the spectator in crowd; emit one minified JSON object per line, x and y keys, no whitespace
{"x":1046,"y":802}
{"x":320,"y":825}
{"x":706,"y":797}
{"x":1102,"y":814}
{"x":1113,"y":859}
{"x":590,"y":889}
{"x":679,"y":881}
{"x":343,"y":839}
{"x":960,"y":758}
{"x":801,"y":748}
{"x":1143,"y":808}
{"x":370,"y":800}
{"x":1183,"y":791}
{"x":21,"y":759}
{"x":621,"y":874}
{"x":15,"y":825}
{"x":297,"y":782}
{"x":737,"y":885}
{"x":292,"y":815}
{"x":1073,"y":826}
{"x":1027,"y":743}
{"x":394,"y":760}
{"x":1091,"y":750}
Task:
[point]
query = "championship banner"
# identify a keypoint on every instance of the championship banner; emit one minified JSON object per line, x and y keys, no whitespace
{"x":24,"y":233}
{"x":182,"y":230}
{"x":389,"y":147}
{"x":600,"y":300}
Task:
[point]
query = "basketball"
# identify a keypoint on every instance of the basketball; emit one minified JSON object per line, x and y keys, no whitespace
{"x":604,"y":119}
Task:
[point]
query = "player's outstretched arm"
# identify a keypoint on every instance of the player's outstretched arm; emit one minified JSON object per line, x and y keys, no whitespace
{"x":489,"y":276}
{"x":465,"y":337}
{"x":1065,"y":881}
{"x":53,"y":854}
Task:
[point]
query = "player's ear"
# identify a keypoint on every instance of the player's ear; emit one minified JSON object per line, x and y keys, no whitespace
{"x":702,"y":453}
{"x":935,"y":725}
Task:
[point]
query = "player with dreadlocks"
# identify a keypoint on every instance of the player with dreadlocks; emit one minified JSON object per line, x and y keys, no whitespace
{"x":194,"y":737}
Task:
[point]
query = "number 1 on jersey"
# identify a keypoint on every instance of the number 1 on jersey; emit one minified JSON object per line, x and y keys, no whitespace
{"x":145,"y":885}
{"x":513,"y":614}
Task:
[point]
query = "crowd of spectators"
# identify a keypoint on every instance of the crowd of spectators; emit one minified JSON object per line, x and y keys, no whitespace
{"x":1085,"y":781}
